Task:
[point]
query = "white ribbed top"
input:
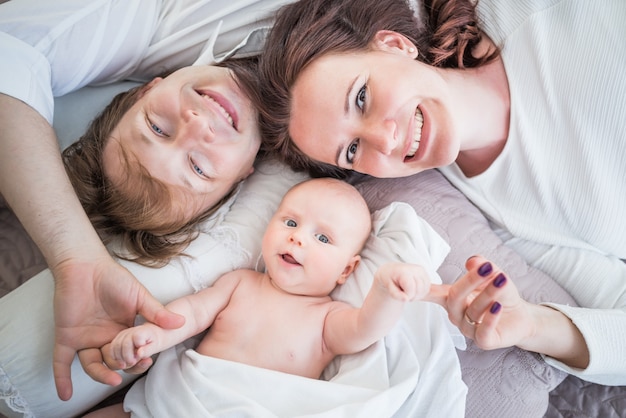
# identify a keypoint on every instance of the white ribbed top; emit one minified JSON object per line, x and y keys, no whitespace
{"x":558,"y":190}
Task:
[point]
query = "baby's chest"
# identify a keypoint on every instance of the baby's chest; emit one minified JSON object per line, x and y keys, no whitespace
{"x":272,"y":324}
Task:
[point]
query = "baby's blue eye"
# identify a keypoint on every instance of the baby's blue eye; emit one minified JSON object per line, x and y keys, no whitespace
{"x":322,"y":238}
{"x":290,"y":223}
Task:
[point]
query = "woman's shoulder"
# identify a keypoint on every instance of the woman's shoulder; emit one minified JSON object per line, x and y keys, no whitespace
{"x":500,"y":18}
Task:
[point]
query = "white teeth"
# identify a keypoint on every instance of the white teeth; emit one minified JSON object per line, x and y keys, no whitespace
{"x":224,"y":112}
{"x":417,"y":133}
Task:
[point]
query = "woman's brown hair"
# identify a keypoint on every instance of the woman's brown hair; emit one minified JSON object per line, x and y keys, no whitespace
{"x":308,"y":29}
{"x":134,"y":210}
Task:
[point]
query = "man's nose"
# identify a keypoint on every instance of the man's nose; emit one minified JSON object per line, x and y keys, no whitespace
{"x":196,"y":127}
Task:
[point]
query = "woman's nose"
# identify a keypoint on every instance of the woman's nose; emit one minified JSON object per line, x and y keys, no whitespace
{"x":381,"y":136}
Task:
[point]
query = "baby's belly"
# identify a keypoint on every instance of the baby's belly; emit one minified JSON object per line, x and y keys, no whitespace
{"x":287,"y":355}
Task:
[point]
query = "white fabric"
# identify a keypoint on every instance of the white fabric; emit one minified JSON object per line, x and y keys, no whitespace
{"x":26,"y":317}
{"x":413,"y":372}
{"x":52,"y":48}
{"x":557,"y":192}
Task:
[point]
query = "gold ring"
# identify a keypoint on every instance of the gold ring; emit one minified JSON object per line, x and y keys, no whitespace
{"x":470,"y":320}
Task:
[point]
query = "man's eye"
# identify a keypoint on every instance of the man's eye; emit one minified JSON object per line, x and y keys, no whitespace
{"x":361,"y":96}
{"x":156,"y":129}
{"x":322,"y":238}
{"x":197,"y":169}
{"x":351,"y":151}
{"x":290,"y":223}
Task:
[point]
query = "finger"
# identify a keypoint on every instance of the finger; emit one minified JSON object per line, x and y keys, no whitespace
{"x":155,"y":312}
{"x":61,"y":368}
{"x":462,"y":293}
{"x":422,"y":286}
{"x":486,"y":335}
{"x":438,"y":293}
{"x":111,"y":359}
{"x":482,"y":303}
{"x":406,"y":288}
{"x":141,"y":367}
{"x":93,"y":364}
{"x":128,"y":350}
{"x":147,"y":350}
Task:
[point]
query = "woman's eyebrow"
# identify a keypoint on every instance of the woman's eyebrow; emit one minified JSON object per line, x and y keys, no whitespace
{"x":338,"y":154}
{"x":346,"y":106}
{"x":346,"y":109}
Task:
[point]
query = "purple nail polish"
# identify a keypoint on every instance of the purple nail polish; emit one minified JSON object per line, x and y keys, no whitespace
{"x":495,"y":308}
{"x":500,"y":280}
{"x":485,"y":269}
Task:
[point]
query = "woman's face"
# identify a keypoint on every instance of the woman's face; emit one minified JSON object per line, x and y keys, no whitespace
{"x":379,"y":112}
{"x":194,"y":129}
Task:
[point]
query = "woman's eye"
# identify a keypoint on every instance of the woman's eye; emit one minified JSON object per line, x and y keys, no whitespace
{"x":290,"y":223}
{"x":361,"y":96}
{"x":322,"y":238}
{"x":351,"y":151}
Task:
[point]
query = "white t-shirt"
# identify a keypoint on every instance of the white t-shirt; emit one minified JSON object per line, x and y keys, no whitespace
{"x":49,"y":49}
{"x":557,"y":193}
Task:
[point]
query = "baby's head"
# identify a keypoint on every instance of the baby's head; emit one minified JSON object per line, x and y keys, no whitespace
{"x":313,"y":241}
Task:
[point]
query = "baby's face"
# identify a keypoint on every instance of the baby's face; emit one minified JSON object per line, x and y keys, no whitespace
{"x":312,"y":242}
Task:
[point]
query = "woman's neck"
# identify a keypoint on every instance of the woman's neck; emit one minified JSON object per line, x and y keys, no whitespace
{"x":484,"y":124}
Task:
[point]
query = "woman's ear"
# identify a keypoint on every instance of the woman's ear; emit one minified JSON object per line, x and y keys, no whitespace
{"x":390,"y":41}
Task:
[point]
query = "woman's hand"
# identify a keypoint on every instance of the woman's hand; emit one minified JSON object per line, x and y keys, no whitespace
{"x":486,"y":306}
{"x":93,"y":301}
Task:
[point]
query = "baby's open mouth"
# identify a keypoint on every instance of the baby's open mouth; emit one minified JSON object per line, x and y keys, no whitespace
{"x":289,"y":259}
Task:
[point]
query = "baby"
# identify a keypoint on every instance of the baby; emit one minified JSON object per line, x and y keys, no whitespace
{"x":284,"y":319}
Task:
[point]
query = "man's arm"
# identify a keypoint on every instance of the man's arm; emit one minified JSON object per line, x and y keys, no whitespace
{"x":34,"y":183}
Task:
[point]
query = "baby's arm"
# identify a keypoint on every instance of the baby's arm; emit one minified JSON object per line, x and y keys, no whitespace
{"x":350,"y":330}
{"x":199,"y":309}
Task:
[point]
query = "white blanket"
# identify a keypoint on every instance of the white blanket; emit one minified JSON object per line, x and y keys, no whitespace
{"x":413,"y":372}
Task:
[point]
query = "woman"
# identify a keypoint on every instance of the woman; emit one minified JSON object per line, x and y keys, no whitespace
{"x":50,"y":51}
{"x":523,"y":115}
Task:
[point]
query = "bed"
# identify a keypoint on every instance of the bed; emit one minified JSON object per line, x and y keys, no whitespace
{"x":507,"y":382}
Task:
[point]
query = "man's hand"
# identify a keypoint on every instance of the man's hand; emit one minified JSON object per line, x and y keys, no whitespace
{"x":93,"y":301}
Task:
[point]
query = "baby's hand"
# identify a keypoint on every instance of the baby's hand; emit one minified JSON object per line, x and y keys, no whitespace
{"x":404,"y":281}
{"x":130,"y":347}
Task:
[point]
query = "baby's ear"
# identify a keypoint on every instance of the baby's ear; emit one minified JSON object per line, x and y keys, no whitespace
{"x":350,"y":267}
